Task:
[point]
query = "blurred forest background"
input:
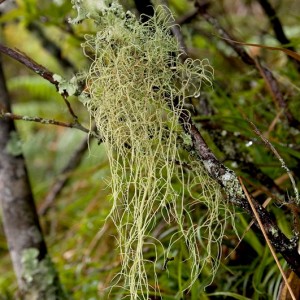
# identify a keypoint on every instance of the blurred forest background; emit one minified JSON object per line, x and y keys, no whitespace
{"x":72,"y":197}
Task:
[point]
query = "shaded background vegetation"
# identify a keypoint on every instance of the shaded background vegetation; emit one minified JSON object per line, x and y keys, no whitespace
{"x":80,"y":242}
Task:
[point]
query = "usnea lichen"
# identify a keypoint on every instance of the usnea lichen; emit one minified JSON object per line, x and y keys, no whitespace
{"x":135,"y":90}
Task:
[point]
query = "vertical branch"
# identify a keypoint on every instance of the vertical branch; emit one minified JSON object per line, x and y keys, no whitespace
{"x":20,"y":220}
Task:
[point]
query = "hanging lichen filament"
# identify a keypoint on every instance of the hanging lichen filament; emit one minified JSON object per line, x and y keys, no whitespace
{"x":132,"y":84}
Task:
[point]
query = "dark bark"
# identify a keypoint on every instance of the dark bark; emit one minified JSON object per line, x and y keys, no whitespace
{"x":145,"y":9}
{"x":20,"y":221}
{"x":229,"y":181}
{"x":29,"y":63}
{"x":38,"y":69}
{"x":226,"y":177}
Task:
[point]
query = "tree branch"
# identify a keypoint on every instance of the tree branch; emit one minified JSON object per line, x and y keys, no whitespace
{"x":29,"y":63}
{"x":228,"y":179}
{"x":247,"y":59}
{"x":38,"y":69}
{"x":76,"y":125}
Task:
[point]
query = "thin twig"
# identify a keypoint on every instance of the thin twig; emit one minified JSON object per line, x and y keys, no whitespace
{"x":283,"y":165}
{"x":71,"y":111}
{"x":259,"y":221}
{"x":44,"y":121}
{"x":247,"y":59}
{"x":29,"y":63}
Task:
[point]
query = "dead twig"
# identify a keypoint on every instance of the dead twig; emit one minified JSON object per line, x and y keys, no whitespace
{"x":283,"y":165}
{"x":259,"y":221}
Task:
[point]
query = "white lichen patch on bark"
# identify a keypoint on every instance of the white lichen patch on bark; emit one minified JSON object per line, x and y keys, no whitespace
{"x":39,"y":277}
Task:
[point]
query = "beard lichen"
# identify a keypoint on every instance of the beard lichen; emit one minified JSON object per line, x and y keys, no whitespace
{"x":136,"y":88}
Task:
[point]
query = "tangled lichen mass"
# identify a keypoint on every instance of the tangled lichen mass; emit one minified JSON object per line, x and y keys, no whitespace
{"x":137,"y":87}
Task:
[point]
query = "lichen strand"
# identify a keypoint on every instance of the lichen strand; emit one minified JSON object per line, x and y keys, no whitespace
{"x":39,"y":277}
{"x":135,"y":76}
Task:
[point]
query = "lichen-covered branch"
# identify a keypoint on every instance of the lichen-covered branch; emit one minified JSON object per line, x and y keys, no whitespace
{"x":226,"y":177}
{"x":76,"y":125}
{"x":229,"y":181}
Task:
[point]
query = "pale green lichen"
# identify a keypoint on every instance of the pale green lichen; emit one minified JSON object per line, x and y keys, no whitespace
{"x":135,"y":77}
{"x":274,"y":232}
{"x":87,"y":9}
{"x":187,"y":140}
{"x":69,"y":86}
{"x":39,"y":277}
